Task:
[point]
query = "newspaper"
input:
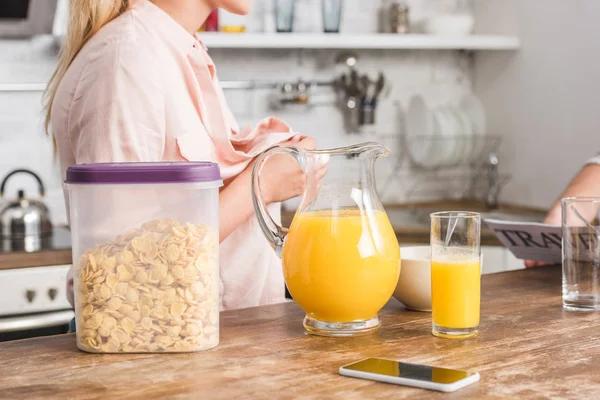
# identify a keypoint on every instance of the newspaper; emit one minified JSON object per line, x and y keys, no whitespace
{"x":529,"y":240}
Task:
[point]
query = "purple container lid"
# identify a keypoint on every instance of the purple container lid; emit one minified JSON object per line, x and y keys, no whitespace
{"x":152,"y":172}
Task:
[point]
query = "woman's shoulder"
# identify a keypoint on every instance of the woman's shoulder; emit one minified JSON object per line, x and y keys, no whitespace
{"x":113,"y":64}
{"x":123,"y":40}
{"x":118,"y":54}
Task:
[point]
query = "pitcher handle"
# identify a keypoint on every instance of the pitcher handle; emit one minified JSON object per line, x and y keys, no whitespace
{"x":274,"y":232}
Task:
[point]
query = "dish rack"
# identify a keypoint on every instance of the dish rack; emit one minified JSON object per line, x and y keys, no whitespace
{"x":458,"y":167}
{"x":431,"y":153}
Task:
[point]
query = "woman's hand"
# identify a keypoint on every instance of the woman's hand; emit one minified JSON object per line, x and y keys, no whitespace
{"x":282,"y":178}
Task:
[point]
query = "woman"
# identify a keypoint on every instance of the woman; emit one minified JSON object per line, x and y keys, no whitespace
{"x":134,"y":84}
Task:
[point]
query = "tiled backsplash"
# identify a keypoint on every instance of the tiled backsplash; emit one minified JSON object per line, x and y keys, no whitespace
{"x":439,"y":76}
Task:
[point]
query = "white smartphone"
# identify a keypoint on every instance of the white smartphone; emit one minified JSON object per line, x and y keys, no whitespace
{"x":399,"y":373}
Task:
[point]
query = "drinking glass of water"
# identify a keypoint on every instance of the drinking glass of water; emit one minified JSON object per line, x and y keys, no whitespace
{"x":284,"y":11}
{"x":581,"y":253}
{"x":332,"y":14}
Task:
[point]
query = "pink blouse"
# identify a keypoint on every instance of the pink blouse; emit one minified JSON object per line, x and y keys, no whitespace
{"x":144,"y":89}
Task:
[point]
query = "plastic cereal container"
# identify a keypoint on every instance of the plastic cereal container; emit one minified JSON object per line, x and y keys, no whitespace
{"x":145,"y":249}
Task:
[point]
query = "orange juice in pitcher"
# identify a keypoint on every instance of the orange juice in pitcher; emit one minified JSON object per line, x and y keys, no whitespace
{"x":334,"y":276}
{"x":341,"y":258}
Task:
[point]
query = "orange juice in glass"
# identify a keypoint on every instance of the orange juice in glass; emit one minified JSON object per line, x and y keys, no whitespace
{"x":455,"y":274}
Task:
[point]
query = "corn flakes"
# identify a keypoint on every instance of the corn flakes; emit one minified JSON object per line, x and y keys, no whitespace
{"x":151,"y":289}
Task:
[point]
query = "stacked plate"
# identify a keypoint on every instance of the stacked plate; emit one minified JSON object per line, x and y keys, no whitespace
{"x":447,"y":135}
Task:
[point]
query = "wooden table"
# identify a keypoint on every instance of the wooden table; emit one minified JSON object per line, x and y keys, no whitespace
{"x":528,"y":348}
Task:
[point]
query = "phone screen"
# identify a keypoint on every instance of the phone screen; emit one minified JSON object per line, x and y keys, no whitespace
{"x":409,"y":371}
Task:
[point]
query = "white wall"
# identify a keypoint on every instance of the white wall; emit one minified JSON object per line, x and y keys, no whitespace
{"x":544,"y":99}
{"x":438,"y":75}
{"x":23,"y":143}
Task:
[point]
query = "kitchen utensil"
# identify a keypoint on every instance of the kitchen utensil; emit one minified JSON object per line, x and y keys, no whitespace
{"x":473,"y":108}
{"x":346,"y":82}
{"x":455,"y":274}
{"x":453,"y":141}
{"x":354,"y":87}
{"x":352,"y":116}
{"x":446,"y":141}
{"x":421,"y":132}
{"x":367,"y":113}
{"x":284,"y":13}
{"x":379,"y":85}
{"x":347,"y":58}
{"x":294,"y":93}
{"x":339,"y":83}
{"x":340,"y":243}
{"x":332,"y":14}
{"x":24,"y":219}
{"x":465,"y":135}
{"x":366,"y":88}
{"x":145,"y":248}
{"x":414,"y":284}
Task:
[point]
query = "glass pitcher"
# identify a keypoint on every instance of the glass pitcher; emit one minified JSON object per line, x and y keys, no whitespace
{"x":341,"y":258}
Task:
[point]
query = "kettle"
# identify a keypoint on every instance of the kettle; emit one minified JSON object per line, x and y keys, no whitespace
{"x":24,"y":219}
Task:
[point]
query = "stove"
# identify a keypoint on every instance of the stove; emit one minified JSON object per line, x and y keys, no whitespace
{"x":33,"y":276}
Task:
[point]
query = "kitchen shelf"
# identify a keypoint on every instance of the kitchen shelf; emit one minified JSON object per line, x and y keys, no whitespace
{"x":364,"y":41}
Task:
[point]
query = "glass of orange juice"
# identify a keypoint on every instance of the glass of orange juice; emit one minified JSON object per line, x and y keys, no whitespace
{"x":455,"y":274}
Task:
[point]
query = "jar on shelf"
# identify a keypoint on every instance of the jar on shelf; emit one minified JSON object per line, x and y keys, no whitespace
{"x":268,"y":12}
{"x":212,"y":22}
{"x":231,"y":23}
{"x":451,"y":18}
{"x":145,"y":250}
{"x":399,"y":18}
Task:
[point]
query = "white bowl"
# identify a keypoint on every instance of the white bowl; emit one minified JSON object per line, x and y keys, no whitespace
{"x":414,"y":285}
{"x":450,"y":24}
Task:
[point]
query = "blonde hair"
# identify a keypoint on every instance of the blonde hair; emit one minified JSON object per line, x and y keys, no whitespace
{"x":86,"y":17}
